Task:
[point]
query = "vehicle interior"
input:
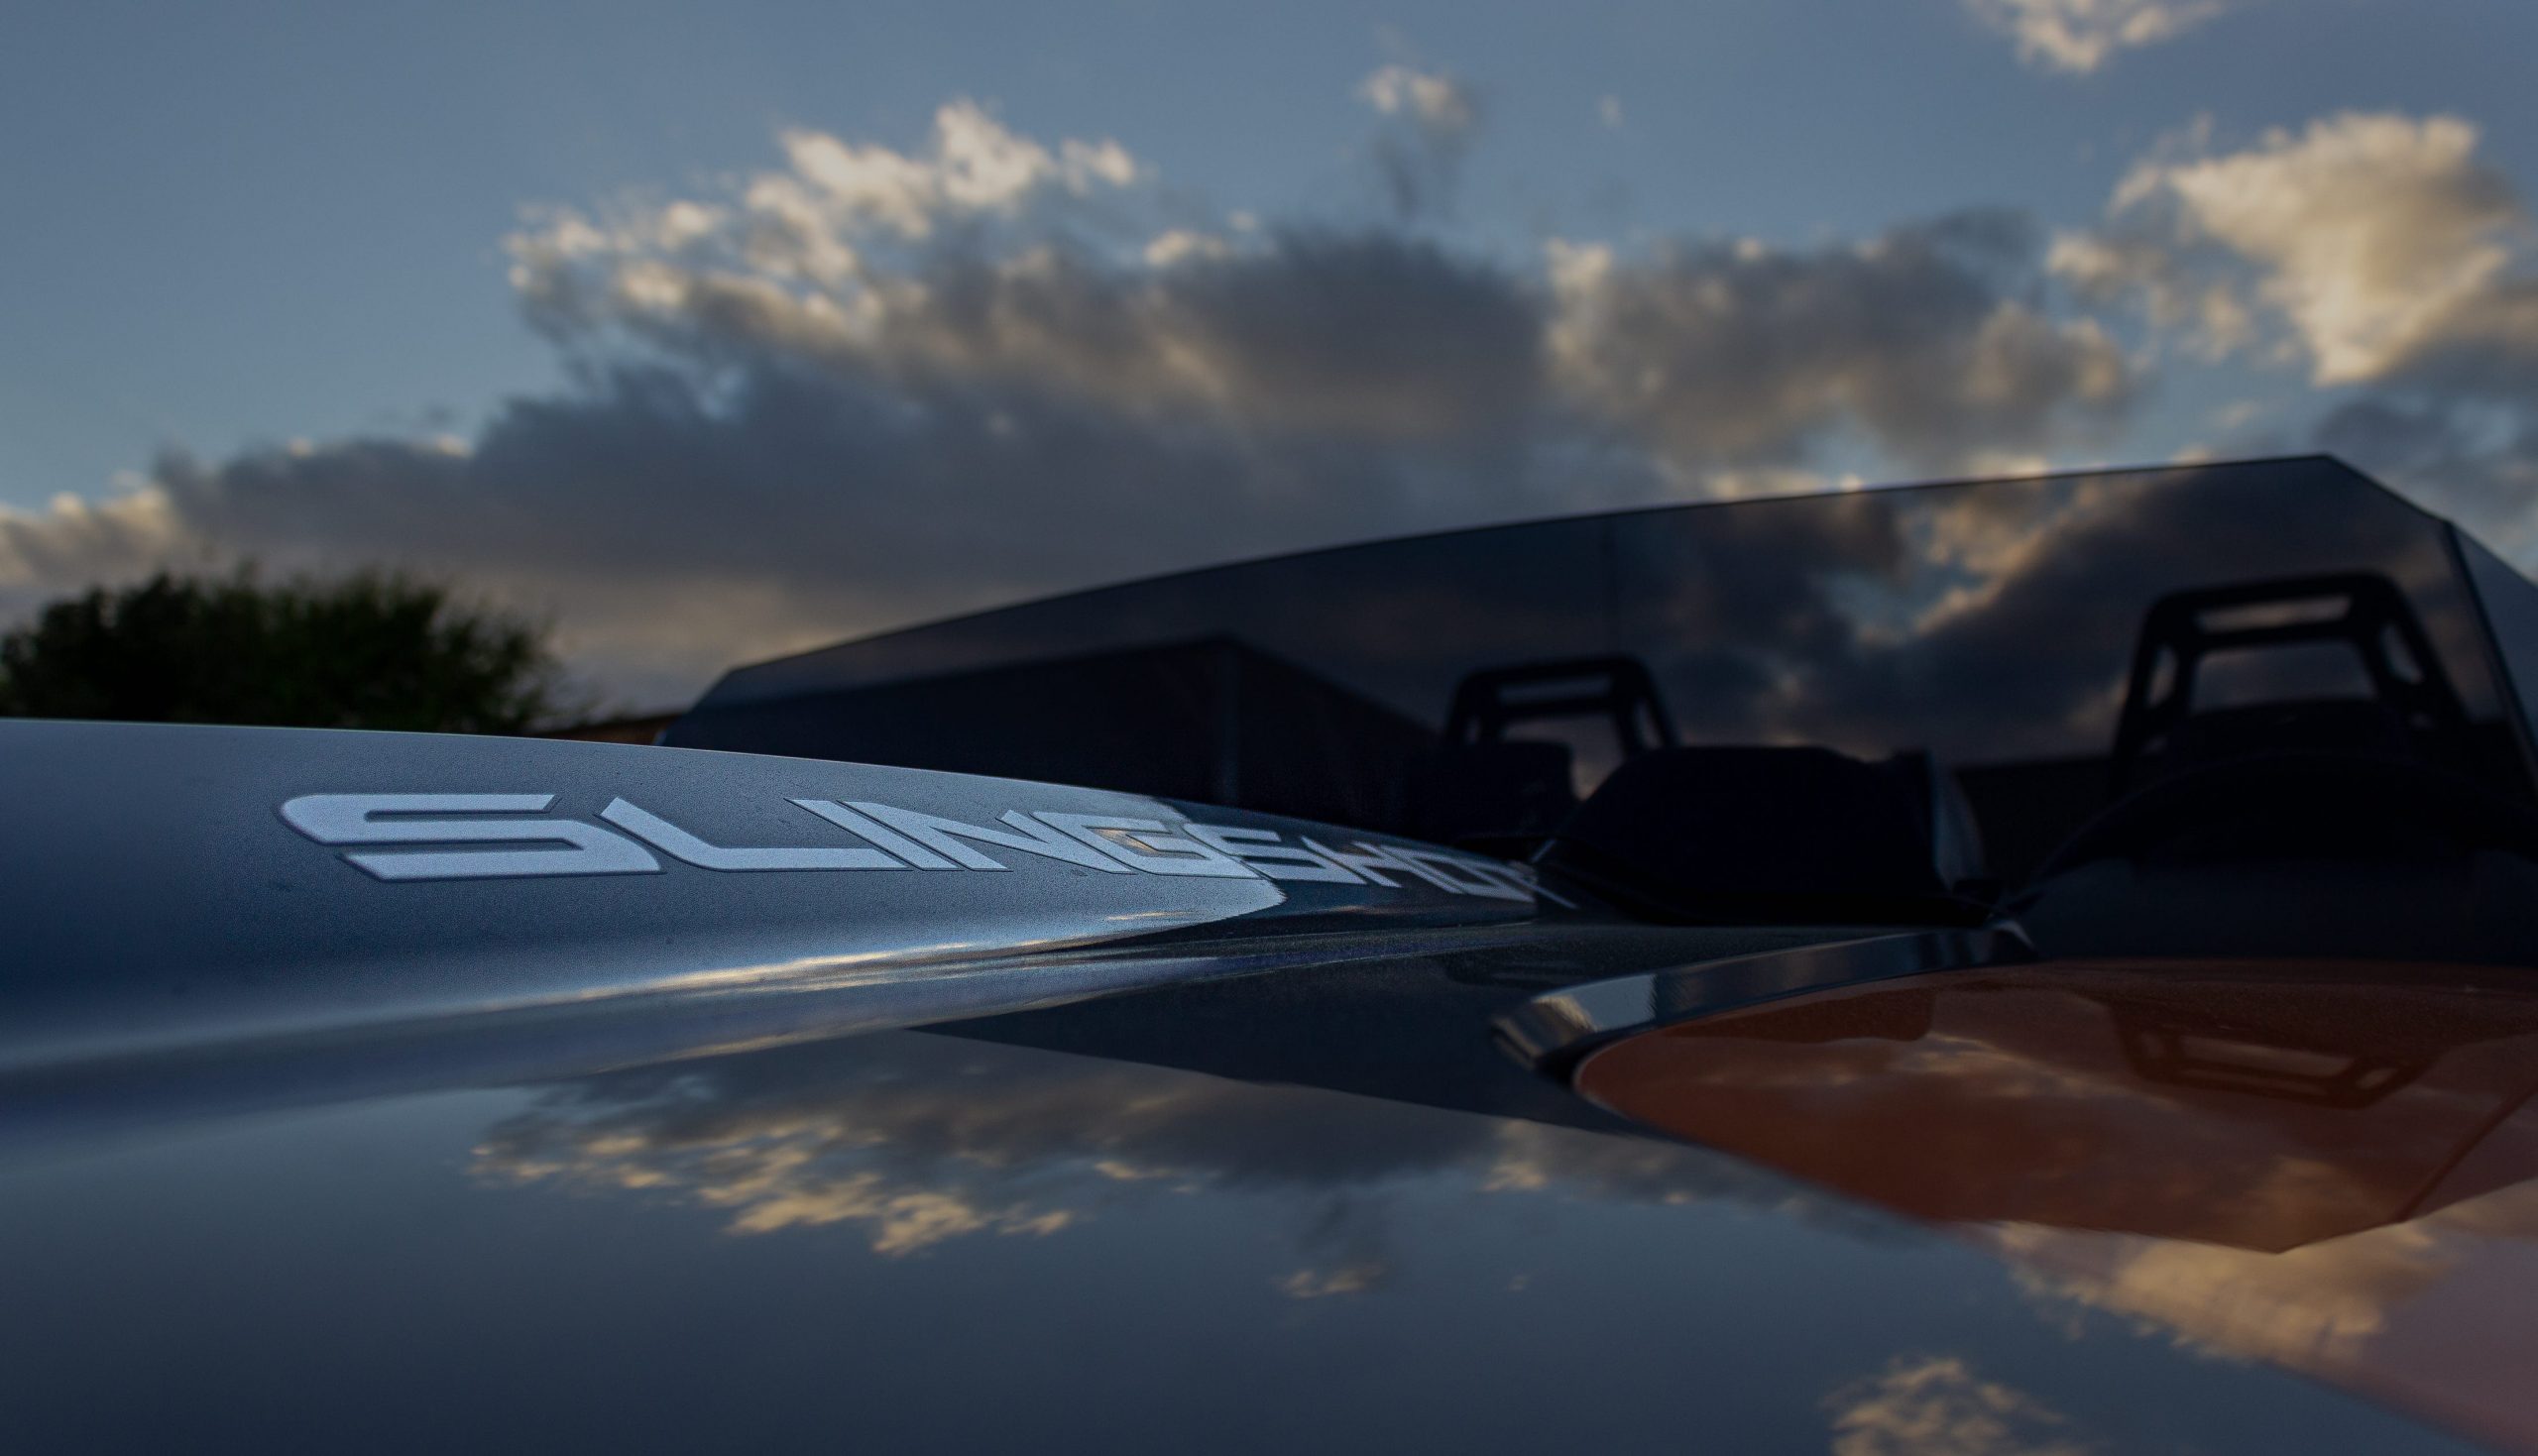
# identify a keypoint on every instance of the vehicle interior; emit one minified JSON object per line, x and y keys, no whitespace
{"x":2269,"y":696}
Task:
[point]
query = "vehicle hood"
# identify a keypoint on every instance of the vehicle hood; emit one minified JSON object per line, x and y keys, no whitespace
{"x":1041,"y":1157}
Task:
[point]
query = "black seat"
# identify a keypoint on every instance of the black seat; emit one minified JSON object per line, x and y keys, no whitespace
{"x":1483,"y":790}
{"x":1478,"y":795}
{"x":1767,"y":836}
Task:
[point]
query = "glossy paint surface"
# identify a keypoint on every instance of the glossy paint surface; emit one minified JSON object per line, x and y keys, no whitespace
{"x":159,"y":898}
{"x":2328,"y":1166}
{"x":911,"y":1240}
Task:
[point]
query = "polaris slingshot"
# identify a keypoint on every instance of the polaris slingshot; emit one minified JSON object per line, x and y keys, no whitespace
{"x":2024,"y":965}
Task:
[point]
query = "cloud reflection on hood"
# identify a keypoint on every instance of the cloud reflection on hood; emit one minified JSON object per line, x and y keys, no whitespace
{"x":913,"y":1140}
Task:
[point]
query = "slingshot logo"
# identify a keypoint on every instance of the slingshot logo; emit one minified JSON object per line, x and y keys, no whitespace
{"x":886,"y":837}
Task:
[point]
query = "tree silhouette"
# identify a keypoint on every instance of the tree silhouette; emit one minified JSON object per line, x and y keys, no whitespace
{"x":371,"y":650}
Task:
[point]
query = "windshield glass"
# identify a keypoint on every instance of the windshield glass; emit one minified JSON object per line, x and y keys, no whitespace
{"x":2011,"y":630}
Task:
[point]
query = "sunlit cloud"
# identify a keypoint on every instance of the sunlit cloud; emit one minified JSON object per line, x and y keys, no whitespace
{"x":2080,"y":36}
{"x":1025,"y":1143}
{"x":2377,"y":252}
{"x":2383,"y":1311}
{"x":1939,"y":1406}
{"x":2373,"y":236}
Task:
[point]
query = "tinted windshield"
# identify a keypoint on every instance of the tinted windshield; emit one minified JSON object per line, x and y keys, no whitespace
{"x":1995,"y":627}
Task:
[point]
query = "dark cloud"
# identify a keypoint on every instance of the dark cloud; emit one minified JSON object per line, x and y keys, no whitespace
{"x":874,"y":386}
{"x":2454,"y":421}
{"x":2473,"y":459}
{"x":679,"y":523}
{"x":1925,"y":339}
{"x":1368,"y":335}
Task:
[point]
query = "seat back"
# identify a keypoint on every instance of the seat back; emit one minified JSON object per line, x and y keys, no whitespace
{"x":1766,"y":835}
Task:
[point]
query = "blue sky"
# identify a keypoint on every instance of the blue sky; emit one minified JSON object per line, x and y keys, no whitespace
{"x":238,"y":227}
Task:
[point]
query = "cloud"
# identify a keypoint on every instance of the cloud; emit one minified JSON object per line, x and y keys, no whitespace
{"x":1352,"y":1279}
{"x":1421,"y":157}
{"x":2079,"y":36}
{"x":1440,"y":103}
{"x":1923,"y":339}
{"x":1026,"y":1141}
{"x":1937,"y":1405}
{"x":2373,"y":236}
{"x":2378,"y":1311}
{"x":972,"y":166}
{"x":868,"y":385}
{"x":2375,"y":251}
{"x":2472,"y":456}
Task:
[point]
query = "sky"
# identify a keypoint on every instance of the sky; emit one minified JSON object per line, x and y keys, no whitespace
{"x":705,"y":333}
